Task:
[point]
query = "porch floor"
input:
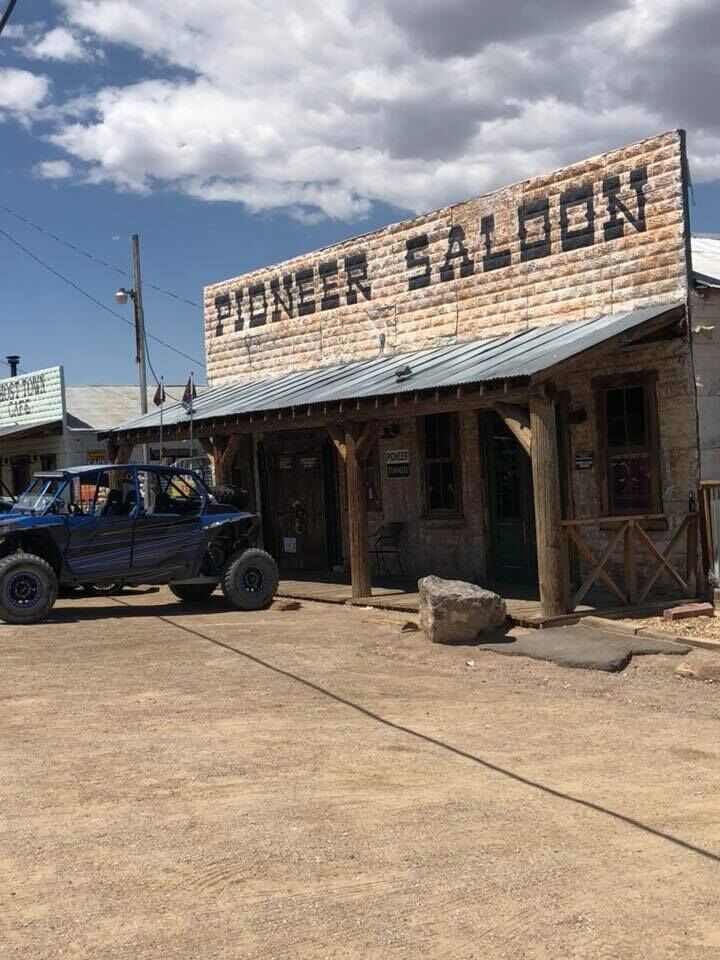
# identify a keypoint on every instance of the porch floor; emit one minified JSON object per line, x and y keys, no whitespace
{"x":523,"y":603}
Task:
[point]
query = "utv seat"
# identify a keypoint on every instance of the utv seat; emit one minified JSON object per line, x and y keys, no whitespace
{"x":112,"y":504}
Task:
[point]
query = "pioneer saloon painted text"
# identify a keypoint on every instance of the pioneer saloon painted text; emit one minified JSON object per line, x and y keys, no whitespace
{"x":581,"y":216}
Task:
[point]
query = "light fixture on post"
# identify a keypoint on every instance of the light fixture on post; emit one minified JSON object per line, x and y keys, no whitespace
{"x":121,"y":298}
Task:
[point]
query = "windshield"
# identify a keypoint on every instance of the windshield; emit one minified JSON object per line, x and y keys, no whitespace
{"x":44,"y":495}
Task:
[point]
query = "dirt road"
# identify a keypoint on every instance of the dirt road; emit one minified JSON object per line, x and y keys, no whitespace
{"x":315,"y":784}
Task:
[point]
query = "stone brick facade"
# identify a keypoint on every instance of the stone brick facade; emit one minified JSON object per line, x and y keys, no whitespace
{"x":600,"y":236}
{"x":705,"y":306}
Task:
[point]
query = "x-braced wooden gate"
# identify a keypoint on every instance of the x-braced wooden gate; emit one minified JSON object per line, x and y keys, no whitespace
{"x":630,"y":531}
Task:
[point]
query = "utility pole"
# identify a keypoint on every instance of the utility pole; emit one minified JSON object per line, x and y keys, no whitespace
{"x":139,"y":330}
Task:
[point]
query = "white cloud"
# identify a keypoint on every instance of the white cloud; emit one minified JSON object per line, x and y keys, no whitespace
{"x":57,"y":44}
{"x":21,"y":92}
{"x":325,"y":108}
{"x":53,"y":170}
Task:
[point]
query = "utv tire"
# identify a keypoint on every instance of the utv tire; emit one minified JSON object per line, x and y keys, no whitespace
{"x":250,"y":579}
{"x":104,"y":589}
{"x":28,"y":588}
{"x":193,"y":592}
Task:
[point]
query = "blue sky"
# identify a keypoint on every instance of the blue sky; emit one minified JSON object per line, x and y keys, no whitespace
{"x":233,"y":134}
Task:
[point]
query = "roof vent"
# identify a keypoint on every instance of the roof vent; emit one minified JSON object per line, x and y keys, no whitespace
{"x":404,"y":373}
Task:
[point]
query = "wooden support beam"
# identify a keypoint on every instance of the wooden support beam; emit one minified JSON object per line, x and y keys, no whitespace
{"x":337,"y":435}
{"x":367,"y":439}
{"x":517,"y":420}
{"x":357,"y":511}
{"x":551,"y":547}
{"x":120,"y":452}
{"x":225,"y":457}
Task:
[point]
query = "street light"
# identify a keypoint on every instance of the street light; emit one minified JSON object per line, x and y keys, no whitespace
{"x":121,"y":296}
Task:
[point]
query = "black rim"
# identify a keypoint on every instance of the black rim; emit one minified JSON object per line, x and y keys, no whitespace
{"x":104,"y":588}
{"x":24,"y":590}
{"x":253,"y":580}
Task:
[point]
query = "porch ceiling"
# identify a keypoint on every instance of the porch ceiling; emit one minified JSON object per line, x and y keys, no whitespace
{"x":516,"y":356}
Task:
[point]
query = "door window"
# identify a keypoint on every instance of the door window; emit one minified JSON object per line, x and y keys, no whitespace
{"x":108,"y":493}
{"x":174,"y":494}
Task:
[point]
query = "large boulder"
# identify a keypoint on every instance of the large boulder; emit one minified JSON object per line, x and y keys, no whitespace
{"x":452,"y":611}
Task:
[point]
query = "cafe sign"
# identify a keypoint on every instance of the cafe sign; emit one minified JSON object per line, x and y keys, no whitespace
{"x":36,"y":397}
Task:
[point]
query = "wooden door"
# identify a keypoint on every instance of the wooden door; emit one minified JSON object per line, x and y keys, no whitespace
{"x":300,"y":524}
{"x":512,"y":514}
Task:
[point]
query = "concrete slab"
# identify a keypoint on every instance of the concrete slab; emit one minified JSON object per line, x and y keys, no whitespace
{"x":577,"y":646}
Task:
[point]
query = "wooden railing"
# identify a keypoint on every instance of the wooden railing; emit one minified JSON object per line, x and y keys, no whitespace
{"x":630,"y":531}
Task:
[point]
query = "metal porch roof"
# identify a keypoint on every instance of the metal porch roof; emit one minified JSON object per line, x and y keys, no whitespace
{"x":492,"y":358}
{"x":17,"y":431}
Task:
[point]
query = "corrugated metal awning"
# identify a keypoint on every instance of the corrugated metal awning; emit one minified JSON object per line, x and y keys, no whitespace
{"x":519,"y":355}
{"x":706,"y":260}
{"x":17,"y":431}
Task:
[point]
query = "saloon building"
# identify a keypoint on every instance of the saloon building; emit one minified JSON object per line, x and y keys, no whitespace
{"x":505,"y":387}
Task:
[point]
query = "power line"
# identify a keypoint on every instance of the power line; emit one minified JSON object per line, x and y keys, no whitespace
{"x":94,"y":300}
{"x":91,"y":256}
{"x":6,"y":16}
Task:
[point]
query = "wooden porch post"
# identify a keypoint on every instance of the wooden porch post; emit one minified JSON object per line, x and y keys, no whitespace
{"x":353,"y":442}
{"x":222,"y":451}
{"x":357,"y":514}
{"x":552,"y":566}
{"x":120,"y":452}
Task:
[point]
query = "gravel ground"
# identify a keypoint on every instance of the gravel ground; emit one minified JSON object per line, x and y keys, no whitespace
{"x":314,"y":783}
{"x":704,"y":627}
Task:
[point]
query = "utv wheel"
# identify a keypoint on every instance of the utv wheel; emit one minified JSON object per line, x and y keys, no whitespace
{"x":28,"y":588}
{"x":250,"y":580}
{"x":193,"y":592}
{"x":102,"y":589}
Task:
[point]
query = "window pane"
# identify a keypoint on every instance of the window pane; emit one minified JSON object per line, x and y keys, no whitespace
{"x":448,"y":486}
{"x":635,"y":416}
{"x":444,"y":435}
{"x":430,"y":438}
{"x":433,"y":481}
{"x":630,"y":482}
{"x":438,"y":436}
{"x":507,"y":477}
{"x":615,"y":409}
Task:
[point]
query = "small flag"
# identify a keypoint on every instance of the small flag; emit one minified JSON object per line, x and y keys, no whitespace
{"x":189,"y":393}
{"x":159,"y":398}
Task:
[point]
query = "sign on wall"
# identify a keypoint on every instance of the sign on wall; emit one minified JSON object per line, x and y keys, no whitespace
{"x":397,"y":463}
{"x":32,"y":398}
{"x":600,"y":236}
